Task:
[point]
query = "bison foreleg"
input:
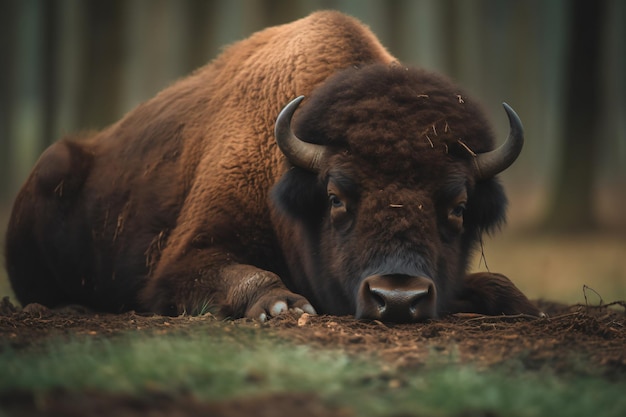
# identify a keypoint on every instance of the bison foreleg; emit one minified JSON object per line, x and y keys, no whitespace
{"x":261,"y":293}
{"x":492,"y":294}
{"x":233,"y":290}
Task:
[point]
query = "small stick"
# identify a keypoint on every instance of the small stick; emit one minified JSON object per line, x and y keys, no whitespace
{"x":505,"y":317}
{"x":585,"y":288}
{"x":59,"y":189}
{"x":467,"y":148}
{"x":482,"y":255}
{"x":611,"y":304}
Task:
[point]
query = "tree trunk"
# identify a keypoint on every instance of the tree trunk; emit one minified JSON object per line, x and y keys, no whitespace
{"x":49,"y":71}
{"x":8,"y":27}
{"x":572,"y":199}
{"x":102,"y":59}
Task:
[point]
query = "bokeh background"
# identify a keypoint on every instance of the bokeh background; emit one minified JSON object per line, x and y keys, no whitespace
{"x":68,"y":65}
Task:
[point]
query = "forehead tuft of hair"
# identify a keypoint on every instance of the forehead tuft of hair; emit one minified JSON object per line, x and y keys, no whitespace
{"x":380,"y":111}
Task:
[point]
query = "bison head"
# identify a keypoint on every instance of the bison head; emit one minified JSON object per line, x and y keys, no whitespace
{"x":391,"y":184}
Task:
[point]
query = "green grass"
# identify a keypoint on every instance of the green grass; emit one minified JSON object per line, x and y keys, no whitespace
{"x":209,"y":365}
{"x":215,"y":364}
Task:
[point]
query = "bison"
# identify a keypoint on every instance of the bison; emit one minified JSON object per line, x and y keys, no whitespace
{"x":366,"y":200}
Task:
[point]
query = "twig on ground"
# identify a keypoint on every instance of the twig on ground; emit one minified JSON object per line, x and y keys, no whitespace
{"x":601,"y":305}
{"x":502,"y":318}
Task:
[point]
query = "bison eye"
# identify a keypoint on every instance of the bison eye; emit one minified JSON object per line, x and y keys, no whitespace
{"x":455,"y":217}
{"x":335,"y":201}
{"x":458,"y":210}
{"x":339,"y":215}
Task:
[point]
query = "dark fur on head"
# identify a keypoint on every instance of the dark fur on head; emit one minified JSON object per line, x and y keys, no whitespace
{"x":421,"y":113}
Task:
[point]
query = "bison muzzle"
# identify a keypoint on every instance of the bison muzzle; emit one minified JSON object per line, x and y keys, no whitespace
{"x":399,"y":298}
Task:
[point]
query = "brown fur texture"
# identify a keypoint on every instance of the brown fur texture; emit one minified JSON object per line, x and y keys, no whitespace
{"x":168,"y":210}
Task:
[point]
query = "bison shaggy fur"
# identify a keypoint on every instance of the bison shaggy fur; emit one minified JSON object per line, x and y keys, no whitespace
{"x":188,"y":205}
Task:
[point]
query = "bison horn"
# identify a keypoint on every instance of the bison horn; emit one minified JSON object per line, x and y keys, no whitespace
{"x":302,"y":154}
{"x":491,"y":163}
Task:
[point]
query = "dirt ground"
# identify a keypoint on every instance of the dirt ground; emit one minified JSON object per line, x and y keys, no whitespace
{"x":595,"y":335}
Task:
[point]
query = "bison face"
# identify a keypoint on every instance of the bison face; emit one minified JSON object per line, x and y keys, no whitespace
{"x":384,"y":239}
{"x":392,"y":186}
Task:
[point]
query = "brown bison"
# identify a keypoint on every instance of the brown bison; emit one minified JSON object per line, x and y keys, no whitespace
{"x":369,"y":202}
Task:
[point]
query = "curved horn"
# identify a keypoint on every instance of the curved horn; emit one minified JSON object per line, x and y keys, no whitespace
{"x":302,"y":154}
{"x":491,"y":163}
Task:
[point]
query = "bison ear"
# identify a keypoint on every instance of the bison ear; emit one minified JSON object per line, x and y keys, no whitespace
{"x":486,"y":209}
{"x":300,"y":195}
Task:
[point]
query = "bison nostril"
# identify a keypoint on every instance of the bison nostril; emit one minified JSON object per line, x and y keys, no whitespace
{"x":419,"y":296}
{"x":379,"y":300}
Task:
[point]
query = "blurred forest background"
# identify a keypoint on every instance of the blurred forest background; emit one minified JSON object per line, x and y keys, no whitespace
{"x":68,"y":65}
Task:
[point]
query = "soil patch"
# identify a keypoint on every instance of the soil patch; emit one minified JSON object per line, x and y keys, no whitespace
{"x":571,"y":339}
